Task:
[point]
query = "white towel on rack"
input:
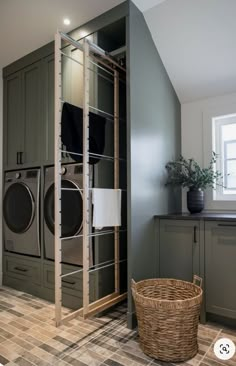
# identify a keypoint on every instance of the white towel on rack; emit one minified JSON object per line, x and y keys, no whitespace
{"x":106,"y":207}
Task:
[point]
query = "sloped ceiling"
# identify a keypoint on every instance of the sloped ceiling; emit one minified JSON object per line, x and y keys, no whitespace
{"x":196,"y":41}
{"x":144,"y":5}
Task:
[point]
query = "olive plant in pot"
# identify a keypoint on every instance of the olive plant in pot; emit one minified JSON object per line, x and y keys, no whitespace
{"x":187,"y":173}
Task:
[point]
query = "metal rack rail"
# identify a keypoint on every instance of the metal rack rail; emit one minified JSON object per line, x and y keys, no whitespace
{"x":95,"y":55}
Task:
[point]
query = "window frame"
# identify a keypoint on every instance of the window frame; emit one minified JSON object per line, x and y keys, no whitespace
{"x":212,"y":109}
{"x":218,"y":146}
{"x":225,"y":163}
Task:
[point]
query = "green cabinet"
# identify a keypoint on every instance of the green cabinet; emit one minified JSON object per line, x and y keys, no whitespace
{"x":22,"y":117}
{"x":179,"y":249}
{"x":205,"y":246}
{"x":22,"y":273}
{"x":29,"y":104}
{"x":31,"y":110}
{"x":72,"y":286}
{"x":29,"y":115}
{"x":12,"y":119}
{"x":220,"y":268}
{"x":69,"y":94}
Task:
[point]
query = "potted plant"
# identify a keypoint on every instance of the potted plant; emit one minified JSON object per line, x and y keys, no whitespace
{"x":187,"y":173}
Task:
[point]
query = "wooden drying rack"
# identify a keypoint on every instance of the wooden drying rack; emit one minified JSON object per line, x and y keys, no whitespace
{"x":90,"y":51}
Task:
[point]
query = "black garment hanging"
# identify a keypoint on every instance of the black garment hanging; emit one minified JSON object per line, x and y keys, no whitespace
{"x":72,"y":132}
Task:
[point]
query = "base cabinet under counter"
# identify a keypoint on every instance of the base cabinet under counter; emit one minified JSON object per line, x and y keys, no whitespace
{"x":220,"y":268}
{"x":202,"y":245}
{"x":179,"y":249}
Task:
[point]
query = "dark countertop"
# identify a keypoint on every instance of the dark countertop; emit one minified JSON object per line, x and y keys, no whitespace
{"x":200,"y":216}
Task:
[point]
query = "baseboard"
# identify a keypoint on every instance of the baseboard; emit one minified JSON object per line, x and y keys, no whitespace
{"x":221,"y":320}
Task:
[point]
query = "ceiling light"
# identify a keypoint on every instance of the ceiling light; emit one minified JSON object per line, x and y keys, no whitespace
{"x":66,"y":21}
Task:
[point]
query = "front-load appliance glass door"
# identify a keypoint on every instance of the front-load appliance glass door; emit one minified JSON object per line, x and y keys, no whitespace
{"x":18,"y":208}
{"x":72,"y":208}
{"x":21,"y":212}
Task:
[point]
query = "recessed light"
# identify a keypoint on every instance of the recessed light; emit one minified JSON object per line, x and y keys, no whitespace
{"x":66,"y":21}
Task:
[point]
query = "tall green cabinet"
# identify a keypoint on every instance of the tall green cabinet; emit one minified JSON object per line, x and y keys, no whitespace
{"x":22,"y":118}
{"x":29,"y":142}
{"x":12,"y":119}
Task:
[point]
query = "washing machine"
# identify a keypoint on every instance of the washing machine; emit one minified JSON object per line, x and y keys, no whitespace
{"x":21,"y":212}
{"x":72,"y":213}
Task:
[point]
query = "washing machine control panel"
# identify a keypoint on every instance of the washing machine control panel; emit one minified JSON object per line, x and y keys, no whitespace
{"x":78,"y":169}
{"x":31,"y":174}
{"x":18,"y":175}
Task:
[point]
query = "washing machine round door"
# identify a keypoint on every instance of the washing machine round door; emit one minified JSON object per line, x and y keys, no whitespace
{"x":71,"y":207}
{"x":18,"y":207}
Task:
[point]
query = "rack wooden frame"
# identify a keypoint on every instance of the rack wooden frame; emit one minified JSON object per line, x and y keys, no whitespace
{"x":98,"y":55}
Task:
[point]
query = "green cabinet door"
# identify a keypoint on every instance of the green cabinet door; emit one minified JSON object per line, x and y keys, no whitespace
{"x":220,"y":267}
{"x":179,"y":255}
{"x":12,"y":127}
{"x":22,"y":117}
{"x":48,"y":110}
{"x":32,"y":109}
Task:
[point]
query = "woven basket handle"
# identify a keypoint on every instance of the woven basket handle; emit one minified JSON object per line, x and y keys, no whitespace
{"x":133,"y":284}
{"x":197,"y":281}
{"x":133,"y":288}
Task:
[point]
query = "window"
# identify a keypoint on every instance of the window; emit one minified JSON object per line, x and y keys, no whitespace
{"x":224,"y":144}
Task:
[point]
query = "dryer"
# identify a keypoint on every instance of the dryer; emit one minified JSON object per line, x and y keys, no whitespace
{"x":72,"y":213}
{"x":21,"y":212}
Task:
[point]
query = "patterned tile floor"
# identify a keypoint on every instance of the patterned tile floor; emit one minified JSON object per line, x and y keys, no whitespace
{"x":28,"y":337}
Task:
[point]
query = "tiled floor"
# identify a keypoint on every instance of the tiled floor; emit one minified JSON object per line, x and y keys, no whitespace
{"x":28,"y":337}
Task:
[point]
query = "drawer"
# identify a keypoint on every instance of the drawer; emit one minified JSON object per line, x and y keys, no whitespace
{"x":74,"y":282}
{"x":71,"y":285}
{"x":23,"y":269}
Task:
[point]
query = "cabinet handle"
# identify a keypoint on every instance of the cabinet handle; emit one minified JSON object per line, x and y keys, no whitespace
{"x":21,"y":157}
{"x":195,"y":234}
{"x":69,"y":282}
{"x":17,"y":158}
{"x":21,"y":269}
{"x":227,"y":225}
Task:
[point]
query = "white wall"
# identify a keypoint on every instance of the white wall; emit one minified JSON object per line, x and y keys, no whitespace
{"x":194,"y":119}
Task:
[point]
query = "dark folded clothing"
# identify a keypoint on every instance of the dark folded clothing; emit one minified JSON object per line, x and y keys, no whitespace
{"x":72,"y":132}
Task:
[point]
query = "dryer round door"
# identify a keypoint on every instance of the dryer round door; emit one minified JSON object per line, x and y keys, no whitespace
{"x":71,"y":207}
{"x":18,"y":207}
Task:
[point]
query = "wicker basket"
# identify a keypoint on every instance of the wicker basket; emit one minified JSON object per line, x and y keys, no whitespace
{"x":168,"y":315}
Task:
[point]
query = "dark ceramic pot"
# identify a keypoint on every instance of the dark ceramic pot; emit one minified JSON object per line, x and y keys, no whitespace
{"x":195,"y":200}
